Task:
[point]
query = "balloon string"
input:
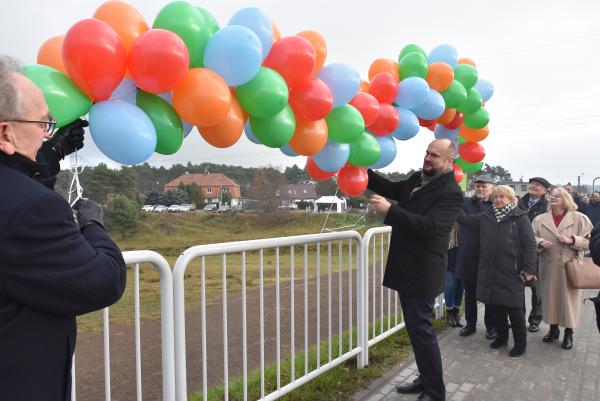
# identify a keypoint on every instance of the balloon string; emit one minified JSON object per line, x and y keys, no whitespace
{"x":75,"y":189}
{"x":356,"y":225}
{"x":329,"y":211}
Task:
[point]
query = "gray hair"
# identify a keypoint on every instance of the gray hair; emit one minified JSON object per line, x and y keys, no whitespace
{"x":10,"y":103}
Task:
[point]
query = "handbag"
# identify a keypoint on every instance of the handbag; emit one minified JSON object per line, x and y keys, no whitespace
{"x":582,"y":274}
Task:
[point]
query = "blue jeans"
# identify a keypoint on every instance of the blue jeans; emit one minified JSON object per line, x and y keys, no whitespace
{"x":453,"y":292}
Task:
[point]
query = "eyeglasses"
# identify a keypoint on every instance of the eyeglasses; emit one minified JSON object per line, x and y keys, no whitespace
{"x":48,"y":126}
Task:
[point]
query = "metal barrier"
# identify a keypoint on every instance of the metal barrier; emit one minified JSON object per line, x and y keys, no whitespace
{"x":167,"y":335}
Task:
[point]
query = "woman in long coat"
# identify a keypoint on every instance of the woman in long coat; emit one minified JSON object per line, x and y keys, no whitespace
{"x":507,"y":252}
{"x":561,"y":235}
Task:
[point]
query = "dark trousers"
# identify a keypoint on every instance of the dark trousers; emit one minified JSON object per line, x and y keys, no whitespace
{"x":471,"y":307}
{"x":517,"y":322}
{"x":535,"y":314}
{"x":418,"y":315}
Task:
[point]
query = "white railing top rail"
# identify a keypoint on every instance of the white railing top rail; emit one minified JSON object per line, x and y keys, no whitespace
{"x":374,"y":231}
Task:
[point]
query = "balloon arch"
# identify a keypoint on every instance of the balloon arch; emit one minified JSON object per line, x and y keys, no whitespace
{"x":146,"y":87}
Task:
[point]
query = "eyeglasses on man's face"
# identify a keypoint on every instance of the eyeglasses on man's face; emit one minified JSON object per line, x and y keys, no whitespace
{"x":48,"y":126}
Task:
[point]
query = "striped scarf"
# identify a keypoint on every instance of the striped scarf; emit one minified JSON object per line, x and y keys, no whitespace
{"x":503,"y":211}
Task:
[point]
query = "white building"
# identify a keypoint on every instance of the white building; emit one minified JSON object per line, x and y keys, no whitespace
{"x":336,"y":204}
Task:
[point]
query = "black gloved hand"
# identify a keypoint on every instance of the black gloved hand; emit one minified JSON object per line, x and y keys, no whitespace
{"x":88,"y":212}
{"x":69,"y":138}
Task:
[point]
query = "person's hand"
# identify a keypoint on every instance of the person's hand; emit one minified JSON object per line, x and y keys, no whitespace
{"x":88,"y":212}
{"x":563,"y":239}
{"x":380,"y":204}
{"x":528,"y":277}
{"x":69,"y":138}
{"x":546,"y":244}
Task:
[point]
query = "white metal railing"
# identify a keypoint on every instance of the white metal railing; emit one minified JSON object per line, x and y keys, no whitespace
{"x":167,"y":335}
{"x":351,"y":239}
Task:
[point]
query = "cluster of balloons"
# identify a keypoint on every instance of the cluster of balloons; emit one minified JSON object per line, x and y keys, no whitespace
{"x":146,"y":87}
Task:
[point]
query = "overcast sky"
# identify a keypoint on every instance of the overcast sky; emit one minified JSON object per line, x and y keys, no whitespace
{"x":542,"y":56}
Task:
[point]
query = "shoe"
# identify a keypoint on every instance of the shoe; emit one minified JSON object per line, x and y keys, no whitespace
{"x":491,"y":334}
{"x":456,"y":312}
{"x":534,"y":327}
{"x":425,"y":397}
{"x":498,"y":343}
{"x":567,"y":339}
{"x":467,"y":331}
{"x":450,"y":318}
{"x":410,"y":388}
{"x":517,"y":351}
{"x":552,"y":335}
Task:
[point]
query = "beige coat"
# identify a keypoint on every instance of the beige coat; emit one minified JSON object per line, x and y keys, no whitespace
{"x":560,"y":302}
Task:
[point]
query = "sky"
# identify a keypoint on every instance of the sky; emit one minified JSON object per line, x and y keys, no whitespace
{"x":543,"y":58}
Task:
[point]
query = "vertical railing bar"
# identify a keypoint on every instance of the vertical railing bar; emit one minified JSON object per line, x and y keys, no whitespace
{"x":225,"y":348}
{"x":203,"y":317}
{"x":73,"y":378}
{"x":373,"y":297}
{"x":105,"y":319}
{"x":381,"y":288}
{"x":340,"y":294}
{"x":292,"y":316}
{"x":277,"y":319}
{"x":262,"y":327}
{"x":305,"y":309}
{"x":138,"y":341}
{"x":350,"y":323}
{"x":329,"y":300}
{"x":244,"y":330}
{"x":318,"y":305}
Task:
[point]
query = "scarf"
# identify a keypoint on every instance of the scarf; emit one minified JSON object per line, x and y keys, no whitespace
{"x":427,"y":179}
{"x":501,"y":212}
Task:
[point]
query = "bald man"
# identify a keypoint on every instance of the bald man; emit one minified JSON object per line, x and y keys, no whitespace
{"x":428,"y":203}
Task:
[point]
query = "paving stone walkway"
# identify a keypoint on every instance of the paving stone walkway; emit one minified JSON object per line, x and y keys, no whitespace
{"x":474,"y":372}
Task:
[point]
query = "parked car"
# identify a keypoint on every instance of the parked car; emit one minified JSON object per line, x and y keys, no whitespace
{"x":211,"y":207}
{"x":185,"y":208}
{"x":173,"y":208}
{"x":289,"y":206}
{"x":237,"y":208}
{"x":147,"y":208}
{"x":159,"y":208}
{"x":224,"y":209}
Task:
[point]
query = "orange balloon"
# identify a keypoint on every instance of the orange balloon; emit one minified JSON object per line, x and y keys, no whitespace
{"x":439,"y":76}
{"x":320,"y":46}
{"x":202,"y":97}
{"x":473,"y":135}
{"x":447,"y":117}
{"x":50,"y":54}
{"x":465,"y":60}
{"x":309,"y":137}
{"x":364,"y":86}
{"x":384,"y":65}
{"x":124,"y":19}
{"x":227,"y":132}
{"x":276,"y":32}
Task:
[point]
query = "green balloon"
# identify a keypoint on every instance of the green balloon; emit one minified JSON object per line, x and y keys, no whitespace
{"x":411,"y":48}
{"x":469,"y":167}
{"x":466,"y":74}
{"x":478,"y":119}
{"x":274,"y":131}
{"x":264,"y":95}
{"x":364,"y":151}
{"x":211,"y":21}
{"x":473,"y":102}
{"x":455,"y":95}
{"x":166,"y":121}
{"x":461,"y":140}
{"x":413,"y":65}
{"x":65,"y":100}
{"x":186,"y":21}
{"x":345,"y":124}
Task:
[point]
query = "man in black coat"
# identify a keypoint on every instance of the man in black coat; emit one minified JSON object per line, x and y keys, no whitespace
{"x":535,"y":203}
{"x":467,"y":257}
{"x":428,"y":204}
{"x":595,"y":244}
{"x":52,"y":268}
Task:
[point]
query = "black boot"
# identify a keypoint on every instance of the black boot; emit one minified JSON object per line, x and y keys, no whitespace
{"x":456,"y":312}
{"x":552,"y":335}
{"x":450,"y":318}
{"x":499,"y":342}
{"x":567,"y":339}
{"x":520,"y":337}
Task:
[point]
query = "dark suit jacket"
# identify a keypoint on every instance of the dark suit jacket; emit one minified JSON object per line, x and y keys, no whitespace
{"x":50,"y":272}
{"x":595,"y":244}
{"x":421,"y":225}
{"x":467,"y":255}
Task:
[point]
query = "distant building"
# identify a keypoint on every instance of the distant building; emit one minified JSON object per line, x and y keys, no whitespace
{"x":520,"y":187}
{"x":211,"y":186}
{"x":294,"y":193}
{"x":333,"y":203}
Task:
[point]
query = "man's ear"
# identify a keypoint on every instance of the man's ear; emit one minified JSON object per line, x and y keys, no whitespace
{"x":6,"y":139}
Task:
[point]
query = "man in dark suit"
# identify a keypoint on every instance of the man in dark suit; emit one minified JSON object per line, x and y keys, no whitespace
{"x":428,"y":203}
{"x":52,"y":268}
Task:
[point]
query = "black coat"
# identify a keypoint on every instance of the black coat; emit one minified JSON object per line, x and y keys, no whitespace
{"x":467,"y":255}
{"x":540,"y":207}
{"x":592,"y":211}
{"x":595,"y":244}
{"x":421,"y":226}
{"x":506,"y":248}
{"x":50,"y":272}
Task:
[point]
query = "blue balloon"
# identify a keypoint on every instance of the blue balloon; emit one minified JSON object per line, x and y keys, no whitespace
{"x":485,"y":89}
{"x":442,"y":132}
{"x":122,"y":131}
{"x":235,"y":53}
{"x":444,"y":53}
{"x":408,"y":126}
{"x":332,"y":157}
{"x":342,"y":80}
{"x":249,"y":134}
{"x":388,"y":151}
{"x":432,"y":108}
{"x":286,"y":150}
{"x":412,"y":92}
{"x":126,"y":91}
{"x":187,"y":127}
{"x":259,"y":23}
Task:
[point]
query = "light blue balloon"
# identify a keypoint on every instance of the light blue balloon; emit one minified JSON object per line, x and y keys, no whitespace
{"x":122,"y":131}
{"x":343,"y":81}
{"x":332,"y":157}
{"x":259,"y":23}
{"x":388,"y":151}
{"x":442,"y":132}
{"x":433,"y":107}
{"x":412,"y":92}
{"x":235,"y":53}
{"x":408,"y":126}
{"x":444,"y":53}
{"x":126,"y":91}
{"x":286,"y":150}
{"x":187,"y":127}
{"x":485,"y":89}
{"x":249,"y":134}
